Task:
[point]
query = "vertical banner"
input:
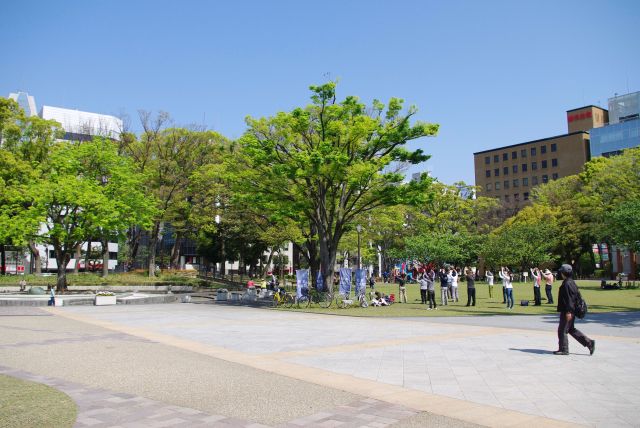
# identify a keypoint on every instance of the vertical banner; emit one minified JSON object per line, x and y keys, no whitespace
{"x":345,"y":281}
{"x":361,"y":281}
{"x":319,"y":282}
{"x":302,"y":282}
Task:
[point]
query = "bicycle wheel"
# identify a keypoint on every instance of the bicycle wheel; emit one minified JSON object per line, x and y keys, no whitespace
{"x":303,"y":302}
{"x":288,"y":300}
{"x":324,"y":300}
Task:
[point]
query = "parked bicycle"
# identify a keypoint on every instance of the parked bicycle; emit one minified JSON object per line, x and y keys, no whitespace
{"x":281,"y":297}
{"x":322,"y":298}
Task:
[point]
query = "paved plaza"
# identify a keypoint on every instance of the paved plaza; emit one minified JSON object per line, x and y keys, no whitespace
{"x":232,"y":366}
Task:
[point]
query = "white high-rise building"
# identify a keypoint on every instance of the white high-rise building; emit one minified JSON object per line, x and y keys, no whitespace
{"x":26,"y":101}
{"x":83,"y":125}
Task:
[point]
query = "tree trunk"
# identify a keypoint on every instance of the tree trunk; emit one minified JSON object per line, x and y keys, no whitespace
{"x":78,"y":255}
{"x":133,"y":242}
{"x":3,"y":260}
{"x":153,"y":245}
{"x":62,"y":259}
{"x":328,"y":253}
{"x":105,"y":257}
{"x":35,"y":255}
{"x":174,"y":262}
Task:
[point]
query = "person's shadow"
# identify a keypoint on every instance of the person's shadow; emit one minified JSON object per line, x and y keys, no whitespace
{"x":532,"y":351}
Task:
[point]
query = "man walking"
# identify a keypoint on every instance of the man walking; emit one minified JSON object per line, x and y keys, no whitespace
{"x":567,"y":298}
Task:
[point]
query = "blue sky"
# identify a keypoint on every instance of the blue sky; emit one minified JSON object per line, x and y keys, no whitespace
{"x":491,"y":73}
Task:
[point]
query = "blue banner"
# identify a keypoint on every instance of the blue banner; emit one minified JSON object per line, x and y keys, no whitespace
{"x":319,"y":282}
{"x":361,"y":281}
{"x":345,"y":281}
{"x":302,"y":282}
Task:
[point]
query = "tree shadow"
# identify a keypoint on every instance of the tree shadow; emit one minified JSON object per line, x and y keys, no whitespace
{"x":629,"y":319}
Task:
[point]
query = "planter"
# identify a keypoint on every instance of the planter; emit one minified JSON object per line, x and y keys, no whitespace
{"x":105,"y":300}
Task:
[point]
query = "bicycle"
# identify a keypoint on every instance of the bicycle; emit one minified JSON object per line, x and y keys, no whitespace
{"x":322,"y":298}
{"x":281,"y":297}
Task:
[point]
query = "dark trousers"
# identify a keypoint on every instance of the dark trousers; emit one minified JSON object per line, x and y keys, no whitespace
{"x":471,"y":295}
{"x":431,"y":294}
{"x":567,"y":326}
{"x":504,"y":294}
{"x":423,"y":296}
{"x":547,"y":290}
{"x":536,"y":296}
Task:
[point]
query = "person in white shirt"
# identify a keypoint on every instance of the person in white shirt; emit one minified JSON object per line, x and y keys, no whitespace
{"x":507,"y":281}
{"x":453,"y":274}
{"x":548,"y":281}
{"x":535,"y":274}
{"x":489,"y":276}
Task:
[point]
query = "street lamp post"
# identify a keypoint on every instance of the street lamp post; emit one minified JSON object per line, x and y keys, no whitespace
{"x":359,"y":229}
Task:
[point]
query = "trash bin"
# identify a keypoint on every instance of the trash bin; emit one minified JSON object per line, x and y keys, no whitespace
{"x":222,"y":295}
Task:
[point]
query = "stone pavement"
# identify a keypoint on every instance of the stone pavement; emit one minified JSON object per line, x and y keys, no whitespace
{"x":494,"y":371}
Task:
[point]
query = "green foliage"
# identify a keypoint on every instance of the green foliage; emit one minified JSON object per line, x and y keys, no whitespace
{"x":623,"y":223}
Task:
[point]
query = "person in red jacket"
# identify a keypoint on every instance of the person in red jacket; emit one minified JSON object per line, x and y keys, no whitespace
{"x":567,"y":297}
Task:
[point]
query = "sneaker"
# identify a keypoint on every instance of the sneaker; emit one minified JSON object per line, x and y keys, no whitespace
{"x":560,"y":353}
{"x":592,"y":347}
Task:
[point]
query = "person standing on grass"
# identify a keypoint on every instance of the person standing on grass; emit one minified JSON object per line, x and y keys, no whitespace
{"x":535,"y":274}
{"x":431,"y":288}
{"x":504,"y":279}
{"x":52,"y":296}
{"x":507,"y":280}
{"x":548,"y":285}
{"x":454,"y":285}
{"x":567,"y":298}
{"x":402,"y":289}
{"x":489,"y":276}
{"x":471,"y":287}
{"x":444,"y":286}
{"x":422,"y":280}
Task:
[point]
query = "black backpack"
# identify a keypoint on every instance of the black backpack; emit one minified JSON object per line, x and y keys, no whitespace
{"x":581,"y":307}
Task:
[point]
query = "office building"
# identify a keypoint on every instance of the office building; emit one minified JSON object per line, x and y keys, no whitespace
{"x":509,"y":173}
{"x":26,"y":101}
{"x":623,"y":130}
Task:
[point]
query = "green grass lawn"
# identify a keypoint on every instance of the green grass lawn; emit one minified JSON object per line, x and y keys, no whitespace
{"x":28,"y":404}
{"x":599,"y":300}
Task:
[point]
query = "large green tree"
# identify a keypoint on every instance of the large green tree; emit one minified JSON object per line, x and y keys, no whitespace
{"x":330,"y":162}
{"x":86,"y":189}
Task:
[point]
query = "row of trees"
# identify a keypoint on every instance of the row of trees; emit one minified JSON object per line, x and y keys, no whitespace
{"x":307,"y":176}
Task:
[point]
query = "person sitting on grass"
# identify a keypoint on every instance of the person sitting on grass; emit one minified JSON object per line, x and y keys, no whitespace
{"x":379,"y":300}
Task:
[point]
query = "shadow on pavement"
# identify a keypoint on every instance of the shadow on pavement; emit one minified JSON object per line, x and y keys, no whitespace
{"x":610,"y":319}
{"x":532,"y":351}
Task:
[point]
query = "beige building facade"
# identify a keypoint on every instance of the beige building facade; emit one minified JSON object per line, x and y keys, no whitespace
{"x":509,"y":173}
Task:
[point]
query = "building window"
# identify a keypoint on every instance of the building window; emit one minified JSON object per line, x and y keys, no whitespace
{"x":554,"y":175}
{"x":497,"y":185}
{"x":506,"y":198}
{"x":554,"y":147}
{"x":516,"y":197}
{"x":534,"y":166}
{"x":514,"y":155}
{"x":533,"y":151}
{"x":554,"y":162}
{"x":52,"y":254}
{"x":524,"y":167}
{"x":506,"y":184}
{"x":496,"y":172}
{"x":515,"y":169}
{"x":545,"y":178}
{"x":516,"y":182}
{"x":505,"y":170}
{"x":544,"y":164}
{"x":534,"y":180}
{"x":487,"y":173}
{"x":488,"y":187}
{"x":523,"y":153}
{"x":543,"y":150}
{"x":526,"y":196}
{"x":487,"y":160}
{"x":496,"y":158}
{"x":505,"y":156}
{"x":525,"y":182}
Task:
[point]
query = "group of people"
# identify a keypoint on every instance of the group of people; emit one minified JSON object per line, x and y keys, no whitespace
{"x":506,"y":275}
